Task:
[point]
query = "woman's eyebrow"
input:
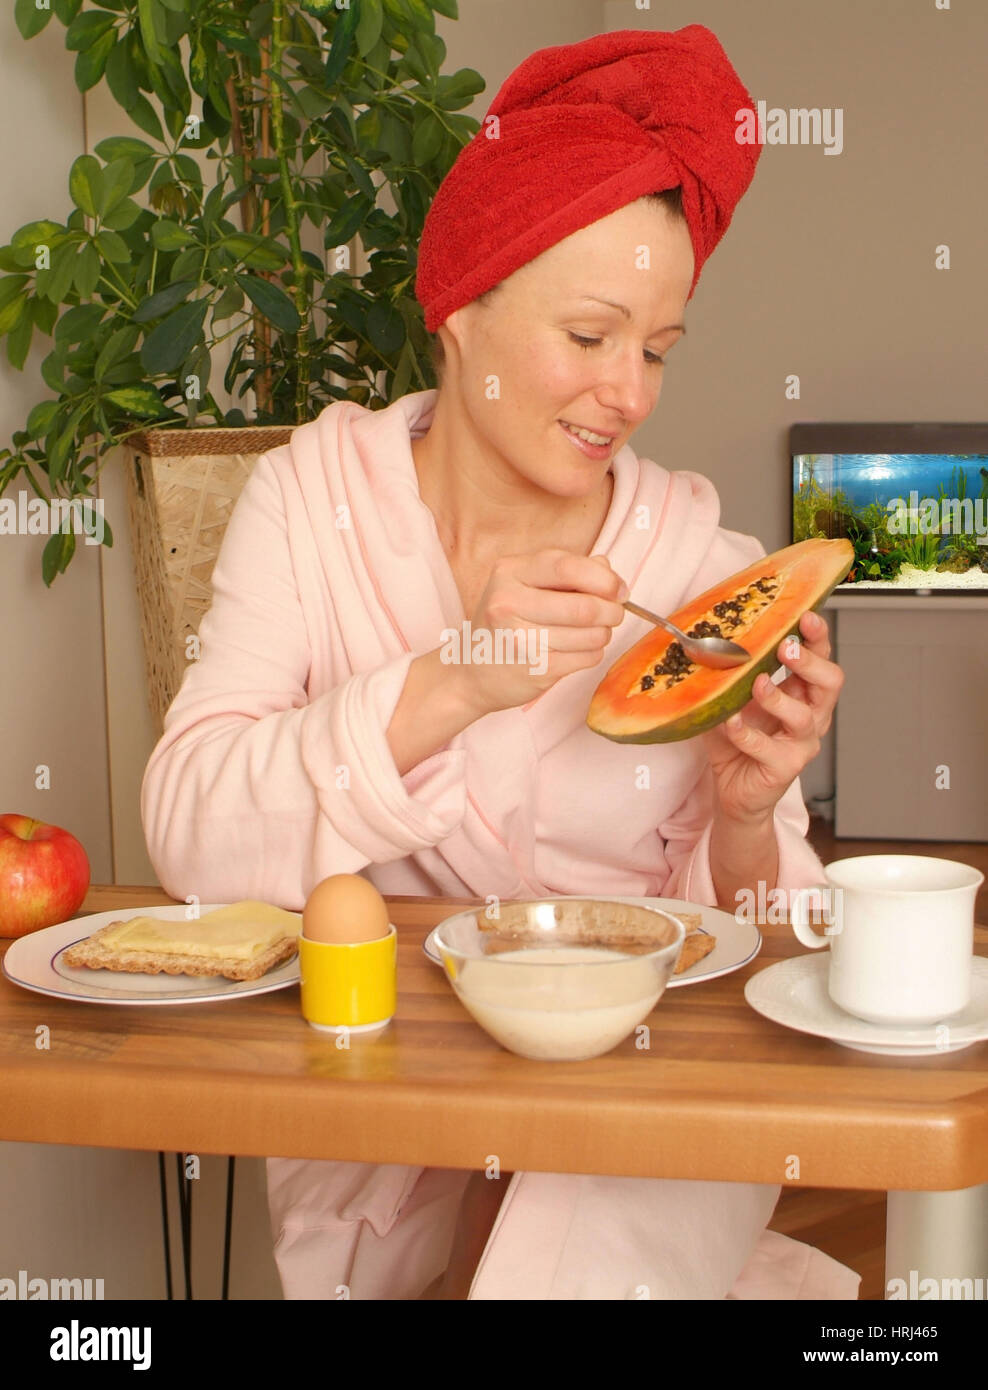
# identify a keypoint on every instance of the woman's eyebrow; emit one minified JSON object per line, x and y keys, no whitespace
{"x":681,"y":327}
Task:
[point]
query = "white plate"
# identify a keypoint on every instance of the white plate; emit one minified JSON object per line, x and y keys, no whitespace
{"x":737,"y":942}
{"x":34,"y":962}
{"x":794,"y":993}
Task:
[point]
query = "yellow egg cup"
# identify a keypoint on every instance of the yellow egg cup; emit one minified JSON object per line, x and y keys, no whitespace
{"x":350,"y":987}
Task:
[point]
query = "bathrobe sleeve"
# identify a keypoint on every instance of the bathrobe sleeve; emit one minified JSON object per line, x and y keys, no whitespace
{"x":687,"y":832}
{"x":687,"y":835}
{"x":256,"y":791}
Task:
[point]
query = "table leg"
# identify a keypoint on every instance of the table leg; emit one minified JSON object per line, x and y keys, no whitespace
{"x":185,"y":1223}
{"x":229,"y":1226}
{"x":941,"y":1236}
{"x":164,"y":1222}
{"x":185,"y":1219}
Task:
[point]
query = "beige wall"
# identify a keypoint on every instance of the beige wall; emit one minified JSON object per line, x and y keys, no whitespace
{"x":826,"y":273}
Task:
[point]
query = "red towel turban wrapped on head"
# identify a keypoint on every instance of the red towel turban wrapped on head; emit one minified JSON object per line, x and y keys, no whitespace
{"x":582,"y":130}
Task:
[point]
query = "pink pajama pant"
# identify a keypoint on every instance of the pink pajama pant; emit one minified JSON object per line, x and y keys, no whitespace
{"x":384,"y":1231}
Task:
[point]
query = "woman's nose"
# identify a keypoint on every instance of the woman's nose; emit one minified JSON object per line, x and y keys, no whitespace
{"x":631,"y":387}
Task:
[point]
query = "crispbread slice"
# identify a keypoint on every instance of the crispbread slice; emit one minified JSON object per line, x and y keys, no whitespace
{"x":591,"y":921}
{"x":94,"y":955}
{"x":513,"y":930}
{"x":692,"y":921}
{"x":696,"y":945}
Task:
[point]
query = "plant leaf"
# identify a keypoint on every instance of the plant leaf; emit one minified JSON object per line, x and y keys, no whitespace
{"x":124,"y":215}
{"x":11,"y":286}
{"x":172,"y":340}
{"x":403,"y":374}
{"x":385,"y":327}
{"x":272,"y":301}
{"x":58,"y":452}
{"x":86,"y":28}
{"x":90,"y":66}
{"x":34,"y":234}
{"x":56,"y":555}
{"x":167,"y":235}
{"x":232,"y":38}
{"x":395,"y":138}
{"x":422,"y":15}
{"x":163,"y":301}
{"x":30,"y":20}
{"x":78,"y":324}
{"x":62,"y":273}
{"x":458,"y":89}
{"x":118,"y":180}
{"x":10,"y":314}
{"x":86,"y":184}
{"x":87,"y":270}
{"x":118,"y":345}
{"x":140,"y":400}
{"x":255,"y":251}
{"x":340,"y":49}
{"x":19,"y":341}
{"x":113,"y":247}
{"x":143,"y":115}
{"x":427,"y":139}
{"x":120,"y":76}
{"x":145,"y":12}
{"x":347,"y":221}
{"x":40,"y":418}
{"x":369,"y":25}
{"x":360,"y":177}
{"x":230,"y":302}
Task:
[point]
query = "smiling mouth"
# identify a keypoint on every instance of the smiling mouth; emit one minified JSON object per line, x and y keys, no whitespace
{"x":591,"y":436}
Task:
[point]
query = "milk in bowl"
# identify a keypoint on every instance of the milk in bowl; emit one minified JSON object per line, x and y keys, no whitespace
{"x":560,"y":979}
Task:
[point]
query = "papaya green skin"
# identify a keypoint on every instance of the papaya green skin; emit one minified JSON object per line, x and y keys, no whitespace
{"x":720,"y":708}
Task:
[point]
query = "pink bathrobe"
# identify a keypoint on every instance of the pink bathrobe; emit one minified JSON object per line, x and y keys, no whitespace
{"x":330,"y":579}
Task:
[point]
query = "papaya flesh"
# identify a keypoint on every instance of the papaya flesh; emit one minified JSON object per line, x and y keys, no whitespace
{"x":655,"y":694}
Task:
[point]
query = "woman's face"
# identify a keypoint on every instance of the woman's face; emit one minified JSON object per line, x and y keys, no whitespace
{"x":558,"y":357}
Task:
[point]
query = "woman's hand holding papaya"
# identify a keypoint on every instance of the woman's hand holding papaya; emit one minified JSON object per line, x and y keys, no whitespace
{"x":572,"y":603}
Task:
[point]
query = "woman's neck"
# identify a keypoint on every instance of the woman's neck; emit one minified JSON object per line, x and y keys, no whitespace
{"x":481,"y":516}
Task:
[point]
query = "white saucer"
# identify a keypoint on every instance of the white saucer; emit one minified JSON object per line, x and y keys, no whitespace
{"x":737,"y":942}
{"x":794,"y":993}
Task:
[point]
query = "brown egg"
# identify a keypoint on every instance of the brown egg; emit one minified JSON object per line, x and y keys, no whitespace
{"x":345,"y":909}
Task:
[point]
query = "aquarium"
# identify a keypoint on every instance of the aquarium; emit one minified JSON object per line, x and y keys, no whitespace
{"x":911,"y":499}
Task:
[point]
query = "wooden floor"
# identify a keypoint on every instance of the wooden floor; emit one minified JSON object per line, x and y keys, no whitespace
{"x":850,"y":1225}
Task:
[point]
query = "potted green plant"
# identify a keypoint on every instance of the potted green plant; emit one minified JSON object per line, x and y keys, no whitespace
{"x":137,"y":297}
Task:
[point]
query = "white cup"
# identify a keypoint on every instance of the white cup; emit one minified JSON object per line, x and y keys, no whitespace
{"x":900,"y":932}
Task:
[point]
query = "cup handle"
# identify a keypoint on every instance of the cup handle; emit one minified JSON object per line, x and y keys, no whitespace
{"x":799,"y":917}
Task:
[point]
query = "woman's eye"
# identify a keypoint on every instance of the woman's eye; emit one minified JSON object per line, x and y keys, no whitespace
{"x":650,"y":357}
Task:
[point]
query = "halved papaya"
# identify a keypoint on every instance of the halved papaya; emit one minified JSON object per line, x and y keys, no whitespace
{"x":655,"y":694}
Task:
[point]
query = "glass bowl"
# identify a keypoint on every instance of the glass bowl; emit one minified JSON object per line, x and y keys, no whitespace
{"x":560,"y":979}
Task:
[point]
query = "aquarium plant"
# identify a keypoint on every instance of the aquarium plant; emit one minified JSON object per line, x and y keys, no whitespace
{"x":962,"y":551}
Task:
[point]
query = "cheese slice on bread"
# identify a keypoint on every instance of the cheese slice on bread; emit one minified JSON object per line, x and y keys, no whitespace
{"x":241,"y":942}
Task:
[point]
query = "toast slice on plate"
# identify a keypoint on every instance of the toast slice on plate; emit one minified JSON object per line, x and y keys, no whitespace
{"x":240,"y":942}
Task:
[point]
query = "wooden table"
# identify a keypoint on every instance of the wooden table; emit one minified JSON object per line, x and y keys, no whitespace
{"x":720,"y":1094}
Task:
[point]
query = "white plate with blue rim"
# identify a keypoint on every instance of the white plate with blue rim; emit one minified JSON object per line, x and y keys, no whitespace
{"x":738,"y":943}
{"x":35,"y":962}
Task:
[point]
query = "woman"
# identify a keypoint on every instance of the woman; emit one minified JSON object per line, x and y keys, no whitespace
{"x":323,"y":730}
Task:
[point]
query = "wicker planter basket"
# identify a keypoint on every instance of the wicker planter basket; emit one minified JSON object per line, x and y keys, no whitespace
{"x":182,"y":485}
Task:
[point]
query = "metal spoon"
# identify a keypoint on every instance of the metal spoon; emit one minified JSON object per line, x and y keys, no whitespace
{"x":716,"y":652}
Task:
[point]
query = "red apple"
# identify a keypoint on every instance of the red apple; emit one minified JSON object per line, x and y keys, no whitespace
{"x":44,"y":875}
